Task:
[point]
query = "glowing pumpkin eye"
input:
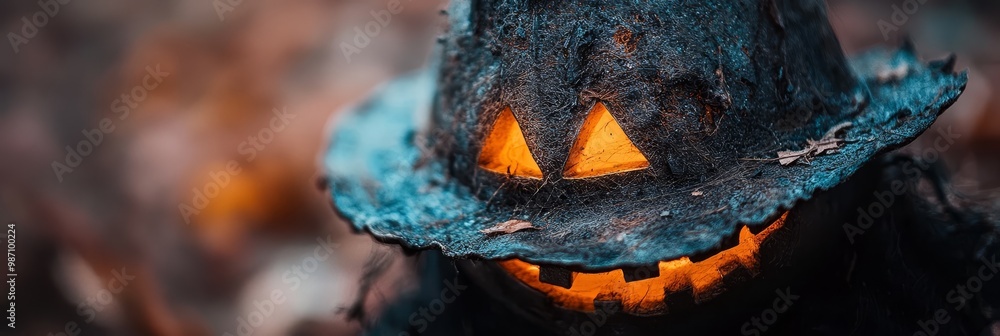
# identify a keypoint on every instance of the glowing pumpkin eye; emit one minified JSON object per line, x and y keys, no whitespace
{"x":505,"y":150}
{"x":602,"y":148}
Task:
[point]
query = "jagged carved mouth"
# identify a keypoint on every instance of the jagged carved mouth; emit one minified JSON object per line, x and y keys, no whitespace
{"x":669,"y":286}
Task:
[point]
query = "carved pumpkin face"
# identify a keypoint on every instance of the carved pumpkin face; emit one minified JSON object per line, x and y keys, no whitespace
{"x":624,"y":134}
{"x":602,"y":148}
{"x":655,"y":290}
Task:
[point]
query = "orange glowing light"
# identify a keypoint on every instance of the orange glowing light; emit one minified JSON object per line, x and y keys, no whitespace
{"x":505,"y":150}
{"x":650,"y":296}
{"x":602,"y":148}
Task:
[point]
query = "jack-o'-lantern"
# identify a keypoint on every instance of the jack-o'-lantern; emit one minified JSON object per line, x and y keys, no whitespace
{"x":624,"y":153}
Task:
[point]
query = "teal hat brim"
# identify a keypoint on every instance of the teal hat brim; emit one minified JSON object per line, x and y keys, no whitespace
{"x":384,"y":184}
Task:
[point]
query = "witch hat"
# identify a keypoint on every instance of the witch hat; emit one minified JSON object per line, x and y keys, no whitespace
{"x":597,"y":136}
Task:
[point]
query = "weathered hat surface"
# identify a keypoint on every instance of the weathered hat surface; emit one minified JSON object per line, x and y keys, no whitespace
{"x":600,"y":136}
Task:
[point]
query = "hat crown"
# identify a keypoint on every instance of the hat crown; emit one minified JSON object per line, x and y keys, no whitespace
{"x":695,"y":85}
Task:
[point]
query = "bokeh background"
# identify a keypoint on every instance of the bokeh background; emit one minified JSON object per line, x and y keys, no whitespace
{"x":225,"y":67}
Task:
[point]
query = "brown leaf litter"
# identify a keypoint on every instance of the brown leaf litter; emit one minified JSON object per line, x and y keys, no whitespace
{"x":829,"y":144}
{"x":509,"y":227}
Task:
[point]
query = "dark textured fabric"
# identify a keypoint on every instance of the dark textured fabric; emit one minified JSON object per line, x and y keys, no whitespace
{"x":702,"y":88}
{"x":695,"y":84}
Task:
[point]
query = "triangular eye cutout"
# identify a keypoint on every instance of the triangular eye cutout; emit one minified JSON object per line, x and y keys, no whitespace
{"x":602,"y":148}
{"x":505,"y":150}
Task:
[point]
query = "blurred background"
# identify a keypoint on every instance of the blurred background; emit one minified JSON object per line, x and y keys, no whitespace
{"x":161,"y":159}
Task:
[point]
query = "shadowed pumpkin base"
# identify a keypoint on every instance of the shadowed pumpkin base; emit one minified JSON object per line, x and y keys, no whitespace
{"x":677,"y":282}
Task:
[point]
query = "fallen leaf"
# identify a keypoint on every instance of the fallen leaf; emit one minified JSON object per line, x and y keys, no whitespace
{"x":509,"y":227}
{"x":788,"y":157}
{"x":829,"y":144}
{"x":894,"y":74}
{"x":829,"y":147}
